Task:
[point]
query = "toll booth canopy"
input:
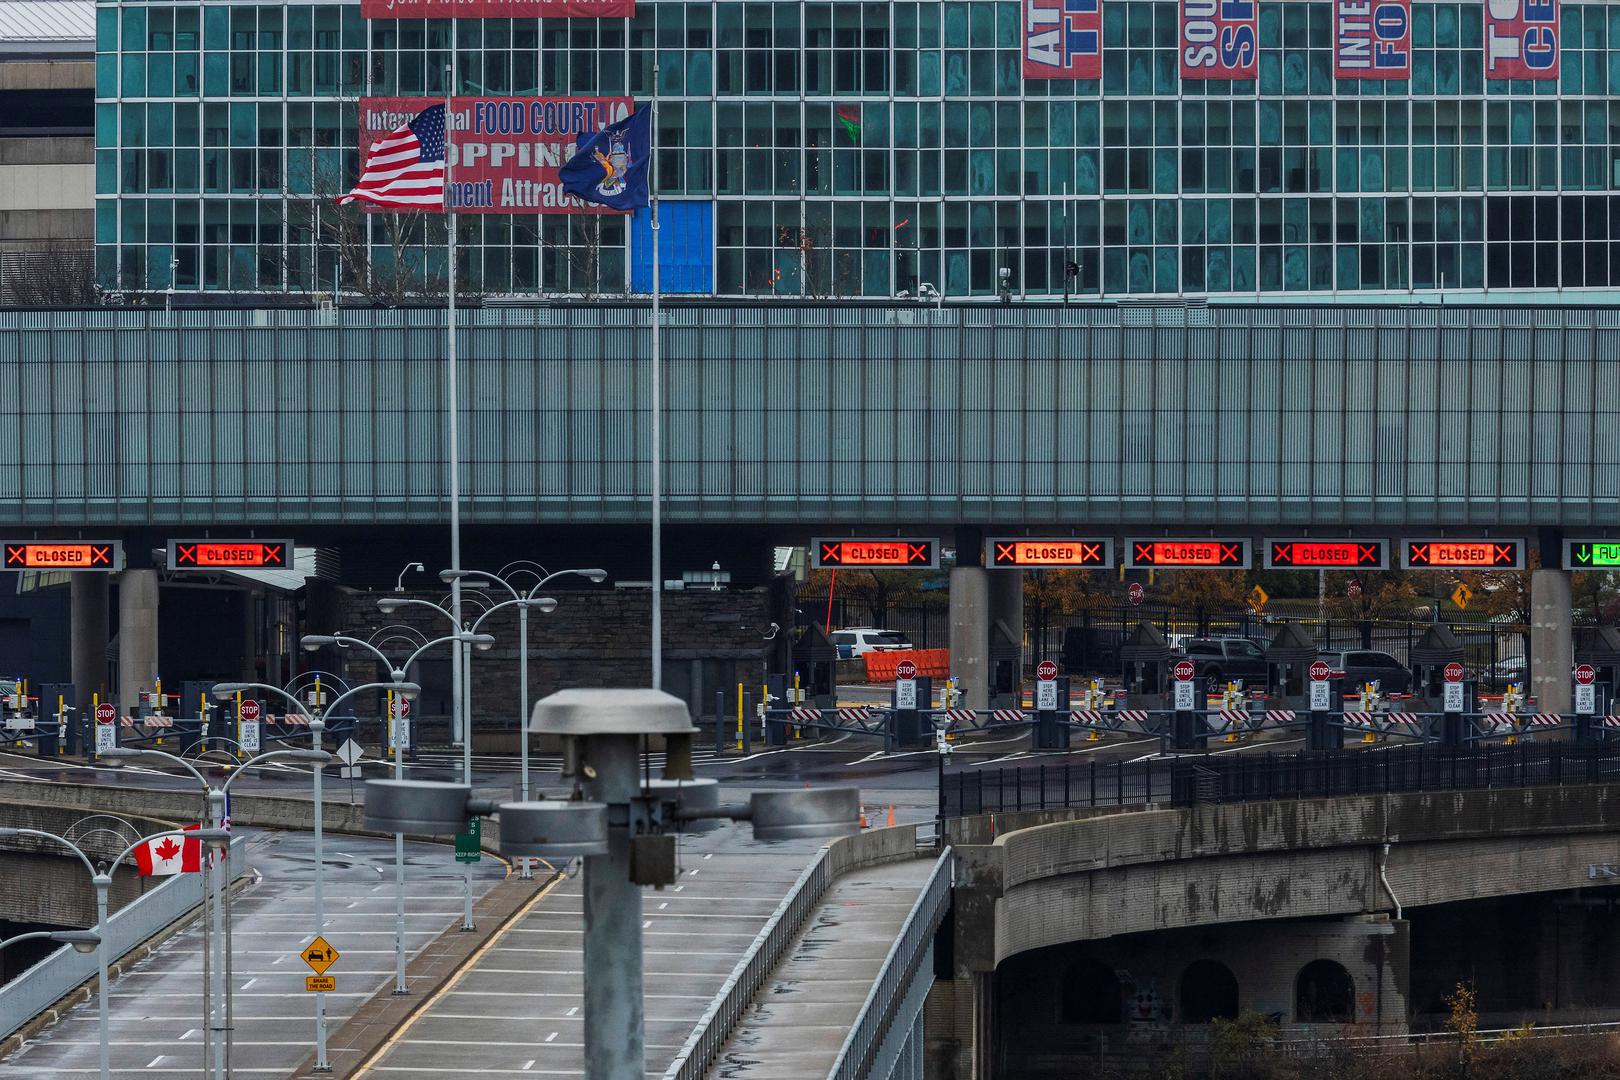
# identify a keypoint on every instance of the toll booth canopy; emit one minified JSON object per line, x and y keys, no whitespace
{"x":1006,"y":660}
{"x":1145,"y":659}
{"x":1289,"y":658}
{"x":816,"y":659}
{"x":1429,"y":656}
{"x":1600,"y":647}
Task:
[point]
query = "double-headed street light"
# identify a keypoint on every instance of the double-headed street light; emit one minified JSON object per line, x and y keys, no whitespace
{"x":623,"y":827}
{"x":102,"y":881}
{"x":214,"y":806}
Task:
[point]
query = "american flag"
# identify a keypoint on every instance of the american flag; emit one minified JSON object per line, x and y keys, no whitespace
{"x":405,"y":169}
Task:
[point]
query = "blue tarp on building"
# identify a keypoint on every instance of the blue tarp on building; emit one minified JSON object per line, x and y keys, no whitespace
{"x":686,"y":248}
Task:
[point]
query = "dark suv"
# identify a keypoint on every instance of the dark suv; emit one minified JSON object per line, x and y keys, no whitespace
{"x":1362,"y":666}
{"x":1228,"y":658}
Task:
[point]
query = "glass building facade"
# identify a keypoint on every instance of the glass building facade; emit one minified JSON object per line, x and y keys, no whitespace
{"x":862,"y":149}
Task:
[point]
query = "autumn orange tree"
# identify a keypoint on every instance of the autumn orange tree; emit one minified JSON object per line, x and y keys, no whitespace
{"x":1049,"y":593}
{"x":1204,"y":592}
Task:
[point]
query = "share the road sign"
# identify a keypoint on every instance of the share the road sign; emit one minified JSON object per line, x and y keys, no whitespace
{"x":319,"y":984}
{"x":319,"y":955}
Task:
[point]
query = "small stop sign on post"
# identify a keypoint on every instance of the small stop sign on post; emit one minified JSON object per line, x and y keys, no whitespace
{"x":1045,"y":670}
{"x":905,"y":669}
{"x":106,"y":713}
{"x":1320,"y":671}
{"x":1585,"y":674}
{"x":1183,"y":670}
{"x":250,"y":710}
{"x":1136,"y":592}
{"x":1453,"y":672}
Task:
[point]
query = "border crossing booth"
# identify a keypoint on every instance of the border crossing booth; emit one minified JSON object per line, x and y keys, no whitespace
{"x":1145,"y":657}
{"x":816,"y":659}
{"x":1289,"y":658}
{"x":1600,"y":647}
{"x":1006,"y":664}
{"x":1428,"y":659}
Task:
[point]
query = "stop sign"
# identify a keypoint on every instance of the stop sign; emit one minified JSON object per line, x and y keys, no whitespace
{"x":905,"y":669}
{"x":1585,"y":674}
{"x":1353,"y":589}
{"x":1183,"y":670}
{"x":106,"y":713}
{"x":250,"y":710}
{"x":1320,"y":671}
{"x":1045,"y":670}
{"x":402,"y":707}
{"x":1453,"y":672}
{"x":1136,"y":592}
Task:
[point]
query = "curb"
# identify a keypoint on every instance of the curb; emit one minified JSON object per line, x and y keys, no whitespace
{"x":352,"y":1046}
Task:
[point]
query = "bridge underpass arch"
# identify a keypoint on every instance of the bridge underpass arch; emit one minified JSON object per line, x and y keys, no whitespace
{"x":1206,"y":991}
{"x":1324,"y":993}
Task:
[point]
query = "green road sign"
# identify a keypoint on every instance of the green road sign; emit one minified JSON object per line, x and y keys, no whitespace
{"x":467,"y":843}
{"x":1579,"y":554}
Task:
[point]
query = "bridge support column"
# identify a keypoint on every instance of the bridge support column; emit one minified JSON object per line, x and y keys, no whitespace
{"x":1007,"y":605}
{"x":90,"y":628}
{"x":1552,"y":650}
{"x":137,"y":635}
{"x":970,"y":633}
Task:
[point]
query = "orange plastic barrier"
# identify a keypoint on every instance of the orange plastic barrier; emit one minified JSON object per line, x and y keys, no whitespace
{"x":935,"y":663}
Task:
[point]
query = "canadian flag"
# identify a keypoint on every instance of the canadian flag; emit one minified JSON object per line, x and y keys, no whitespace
{"x":165,"y":855}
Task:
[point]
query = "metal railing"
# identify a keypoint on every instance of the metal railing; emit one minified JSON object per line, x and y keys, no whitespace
{"x":868,"y":1038}
{"x":48,"y":981}
{"x":1253,"y":777}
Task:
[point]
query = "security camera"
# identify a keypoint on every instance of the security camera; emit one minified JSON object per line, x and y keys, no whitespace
{"x":770,"y":634}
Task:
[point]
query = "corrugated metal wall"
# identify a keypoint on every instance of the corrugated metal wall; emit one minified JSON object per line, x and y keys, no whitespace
{"x":1068,"y":416}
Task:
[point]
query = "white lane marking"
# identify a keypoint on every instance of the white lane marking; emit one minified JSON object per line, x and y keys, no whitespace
{"x":553,"y":1035}
{"x":1255,"y":746}
{"x":527,"y":1065}
{"x":574,"y":1010}
{"x":646,"y":924}
{"x":153,"y":1063}
{"x":250,"y":982}
{"x":189,"y":1032}
{"x":664,"y":905}
{"x":678,"y":888}
{"x":710,"y":855}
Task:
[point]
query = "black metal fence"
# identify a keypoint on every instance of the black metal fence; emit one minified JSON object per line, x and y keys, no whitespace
{"x":1253,"y":777}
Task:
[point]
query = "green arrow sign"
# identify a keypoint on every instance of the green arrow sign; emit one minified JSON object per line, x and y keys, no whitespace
{"x":1579,"y":554}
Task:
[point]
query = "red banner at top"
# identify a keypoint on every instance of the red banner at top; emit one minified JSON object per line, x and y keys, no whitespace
{"x":497,"y":9}
{"x":1372,"y":39}
{"x":1062,"y":39}
{"x":1521,"y":39}
{"x":1220,"y":39}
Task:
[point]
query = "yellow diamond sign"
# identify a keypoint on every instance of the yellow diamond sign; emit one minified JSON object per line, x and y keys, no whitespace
{"x":1258,"y":598}
{"x":319,"y":955}
{"x":1461,"y":595}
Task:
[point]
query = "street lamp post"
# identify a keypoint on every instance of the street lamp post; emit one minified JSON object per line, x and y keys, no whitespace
{"x":312,"y":642}
{"x":317,"y":726}
{"x":523,"y":601}
{"x":83,"y":941}
{"x":214,"y":798}
{"x":461,"y":714}
{"x":102,"y":881}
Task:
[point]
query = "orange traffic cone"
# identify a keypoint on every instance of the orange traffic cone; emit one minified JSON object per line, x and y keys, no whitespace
{"x":864,"y":823}
{"x":890,"y":822}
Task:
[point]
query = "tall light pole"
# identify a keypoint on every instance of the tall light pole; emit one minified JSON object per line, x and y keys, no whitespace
{"x":524,"y":601}
{"x":461,"y":715}
{"x":214,"y":802}
{"x":313,"y":642}
{"x":102,"y":882}
{"x":83,"y":941}
{"x":317,"y":726}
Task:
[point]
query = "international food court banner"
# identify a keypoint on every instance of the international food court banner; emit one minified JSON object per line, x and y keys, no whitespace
{"x":1372,"y":39}
{"x":1062,"y":39}
{"x":505,"y":151}
{"x":1220,"y":39}
{"x":497,"y":9}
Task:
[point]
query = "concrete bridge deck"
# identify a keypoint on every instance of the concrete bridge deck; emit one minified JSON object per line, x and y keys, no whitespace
{"x":803,"y":1013}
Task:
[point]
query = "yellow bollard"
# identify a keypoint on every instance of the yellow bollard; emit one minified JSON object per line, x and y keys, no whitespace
{"x":1093,"y":737}
{"x":61,"y":712}
{"x":739,"y":715}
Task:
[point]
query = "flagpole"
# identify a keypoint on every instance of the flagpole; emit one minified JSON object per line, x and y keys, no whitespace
{"x":657,"y":414}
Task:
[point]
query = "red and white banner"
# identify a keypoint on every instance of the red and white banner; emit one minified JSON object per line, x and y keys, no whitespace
{"x":1372,"y":39}
{"x":497,"y":9}
{"x":167,"y":855}
{"x":1521,"y":39}
{"x":1220,"y":39}
{"x":1062,"y":39}
{"x":505,"y":151}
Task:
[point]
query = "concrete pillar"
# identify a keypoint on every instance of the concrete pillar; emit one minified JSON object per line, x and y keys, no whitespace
{"x":1552,"y":648}
{"x":1007,"y":602}
{"x":87,"y":598}
{"x":137,"y":635}
{"x":970,"y":633}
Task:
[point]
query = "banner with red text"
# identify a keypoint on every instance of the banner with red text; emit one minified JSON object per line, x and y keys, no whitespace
{"x":1062,"y":39}
{"x":497,"y":9}
{"x":505,"y":151}
{"x":1220,"y":39}
{"x":1372,"y":39}
{"x":1521,"y":39}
